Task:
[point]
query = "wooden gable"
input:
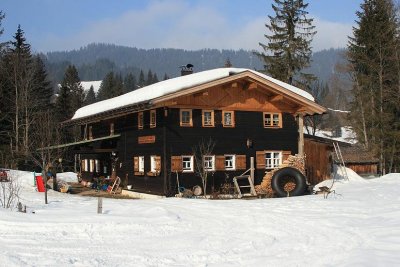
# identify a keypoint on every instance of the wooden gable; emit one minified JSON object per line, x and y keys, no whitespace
{"x":241,"y":92}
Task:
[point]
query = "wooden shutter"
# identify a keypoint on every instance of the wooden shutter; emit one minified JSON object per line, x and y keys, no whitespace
{"x":260,"y":158}
{"x":285,"y":155}
{"x":176,"y":163}
{"x":135,"y":164}
{"x":219,"y":163}
{"x":240,"y":162}
{"x":157,"y":160}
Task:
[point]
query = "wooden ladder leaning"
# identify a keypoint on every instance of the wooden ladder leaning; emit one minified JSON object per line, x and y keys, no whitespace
{"x":115,"y":185}
{"x":251,"y":186}
{"x":339,"y":156}
{"x":249,"y":178}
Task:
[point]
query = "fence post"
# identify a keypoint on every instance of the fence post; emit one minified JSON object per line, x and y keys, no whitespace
{"x":99,"y":205}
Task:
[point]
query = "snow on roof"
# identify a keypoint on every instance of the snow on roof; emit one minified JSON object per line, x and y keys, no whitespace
{"x":96,"y":85}
{"x":347,"y":135}
{"x":173,"y":85}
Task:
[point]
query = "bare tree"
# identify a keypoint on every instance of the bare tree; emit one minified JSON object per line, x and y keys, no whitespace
{"x":200,"y":151}
{"x":46,"y":140}
{"x":9,"y":191}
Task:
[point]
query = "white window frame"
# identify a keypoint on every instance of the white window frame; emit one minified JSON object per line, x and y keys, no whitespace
{"x":153,"y":163}
{"x":91,"y":165}
{"x":210,"y":122}
{"x":153,"y":115}
{"x":190,"y":122}
{"x":273,"y":162}
{"x":85,"y":165}
{"x":233,"y":162}
{"x":97,"y":165}
{"x":206,"y":162}
{"x":141,"y":163}
{"x":232,"y":113}
{"x":140,"y":120}
{"x":190,"y":162}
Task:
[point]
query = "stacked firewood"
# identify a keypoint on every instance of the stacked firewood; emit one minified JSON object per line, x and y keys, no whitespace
{"x":265,"y":188}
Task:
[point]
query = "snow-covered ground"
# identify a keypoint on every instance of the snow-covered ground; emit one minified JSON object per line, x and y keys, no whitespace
{"x":359,"y":227}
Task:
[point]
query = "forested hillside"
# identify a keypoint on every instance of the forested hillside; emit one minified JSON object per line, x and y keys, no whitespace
{"x":96,"y":60}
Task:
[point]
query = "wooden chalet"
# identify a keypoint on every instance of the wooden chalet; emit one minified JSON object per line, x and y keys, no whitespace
{"x":148,"y":135}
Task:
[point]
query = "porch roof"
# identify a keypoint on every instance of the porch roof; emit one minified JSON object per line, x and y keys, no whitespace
{"x":81,"y":142}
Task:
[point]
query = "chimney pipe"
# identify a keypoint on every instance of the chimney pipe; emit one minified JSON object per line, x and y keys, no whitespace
{"x":186,"y":69}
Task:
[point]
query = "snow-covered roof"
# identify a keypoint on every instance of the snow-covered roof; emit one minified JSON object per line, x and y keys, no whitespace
{"x":171,"y":86}
{"x":347,"y":135}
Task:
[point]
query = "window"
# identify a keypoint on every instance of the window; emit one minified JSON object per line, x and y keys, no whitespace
{"x":111,"y":128}
{"x":155,"y":165}
{"x":228,"y":118}
{"x":90,"y":133}
{"x":209,"y":163}
{"x":273,"y":159}
{"x":187,"y":163}
{"x":97,"y":165}
{"x":91,"y":166}
{"x":140,"y":120}
{"x":141,"y":164}
{"x":153,"y":118}
{"x":85,"y":165}
{"x":186,"y":117}
{"x":208,"y":118}
{"x":272,"y":120}
{"x":229,"y":162}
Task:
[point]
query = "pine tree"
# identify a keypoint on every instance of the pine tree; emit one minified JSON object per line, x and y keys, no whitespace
{"x":106,"y":87}
{"x":155,"y":78}
{"x":142,"y":82}
{"x":149,"y":77}
{"x":165,"y":77}
{"x":374,"y":67}
{"x":90,"y":96}
{"x":42,"y":86}
{"x":288,"y":50}
{"x":71,"y":94}
{"x":129,"y":83}
{"x":118,"y":88}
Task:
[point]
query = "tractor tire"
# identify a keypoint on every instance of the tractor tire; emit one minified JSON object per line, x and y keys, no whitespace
{"x":288,"y":182}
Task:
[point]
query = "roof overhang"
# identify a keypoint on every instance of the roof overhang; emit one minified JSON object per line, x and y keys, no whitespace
{"x":308,"y":107}
{"x":80,"y":142}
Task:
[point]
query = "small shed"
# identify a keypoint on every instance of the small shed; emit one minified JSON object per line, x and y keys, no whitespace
{"x":357,"y":158}
{"x":319,"y":153}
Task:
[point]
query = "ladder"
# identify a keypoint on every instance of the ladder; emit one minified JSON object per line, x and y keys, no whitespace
{"x":115,"y":185}
{"x":251,"y":185}
{"x":339,"y":156}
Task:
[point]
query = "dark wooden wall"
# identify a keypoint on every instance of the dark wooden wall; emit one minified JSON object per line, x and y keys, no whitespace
{"x":364,"y":168}
{"x":181,"y":140}
{"x":318,"y":161}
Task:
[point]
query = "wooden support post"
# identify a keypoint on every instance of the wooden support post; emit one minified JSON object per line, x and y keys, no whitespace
{"x":252,"y":169}
{"x":301,"y":135}
{"x":99,"y":205}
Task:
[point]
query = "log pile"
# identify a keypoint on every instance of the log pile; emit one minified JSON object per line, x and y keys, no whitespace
{"x":265,"y":188}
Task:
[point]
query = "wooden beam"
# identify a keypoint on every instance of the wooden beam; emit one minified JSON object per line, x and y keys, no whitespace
{"x":301,"y":135}
{"x":276,"y":98}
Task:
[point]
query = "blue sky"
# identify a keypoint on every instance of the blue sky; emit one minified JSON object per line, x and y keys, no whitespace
{"x":52,"y":25}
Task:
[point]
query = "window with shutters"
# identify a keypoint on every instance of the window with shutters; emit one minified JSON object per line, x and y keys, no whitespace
{"x":186,"y":117}
{"x":208,"y":118}
{"x":230,"y":162}
{"x":228,"y":118}
{"x":272,"y":120}
{"x":140,"y":120}
{"x":153,"y":118}
{"x":138,"y":165}
{"x":176,"y":163}
{"x":273,"y":159}
{"x":187,"y":163}
{"x":155,"y":165}
{"x":209,"y":163}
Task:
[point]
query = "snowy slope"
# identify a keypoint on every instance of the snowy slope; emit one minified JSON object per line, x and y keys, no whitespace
{"x":173,"y":85}
{"x":359,"y":228}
